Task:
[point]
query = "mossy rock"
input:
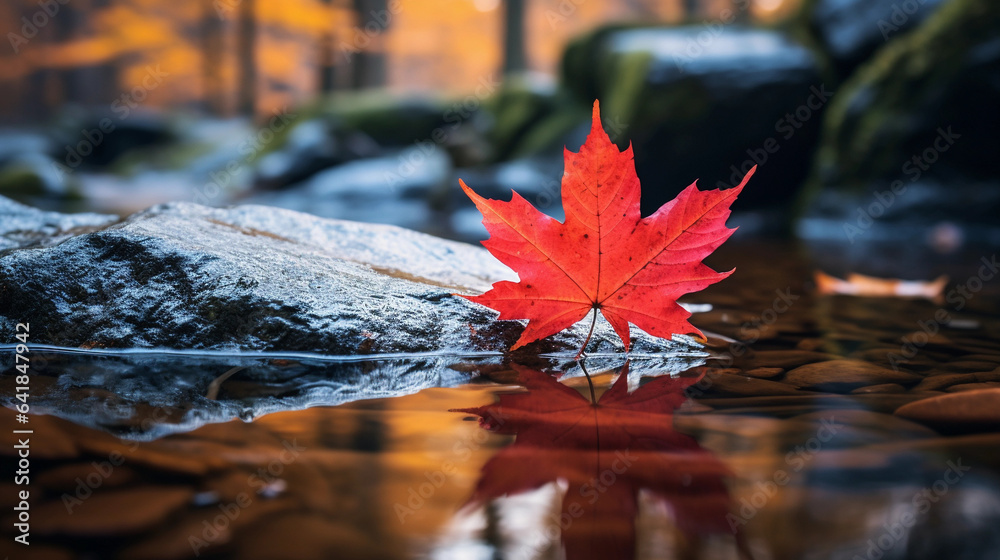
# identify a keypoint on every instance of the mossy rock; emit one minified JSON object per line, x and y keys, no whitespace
{"x":564,"y":127}
{"x":849,"y":32}
{"x":943,"y":75}
{"x":35,"y":178}
{"x":19,"y":181}
{"x":529,"y":119}
{"x":171,"y":157}
{"x":389,"y":119}
{"x":908,"y":145}
{"x":98,"y":139}
{"x":577,"y":67}
{"x":514,"y":111}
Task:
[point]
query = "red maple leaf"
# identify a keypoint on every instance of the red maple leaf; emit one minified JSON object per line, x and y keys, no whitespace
{"x":604,"y":256}
{"x":608,"y":453}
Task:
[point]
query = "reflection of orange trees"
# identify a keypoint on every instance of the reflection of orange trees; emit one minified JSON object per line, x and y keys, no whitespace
{"x":607,"y":453}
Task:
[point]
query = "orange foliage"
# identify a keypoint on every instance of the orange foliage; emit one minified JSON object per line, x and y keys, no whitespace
{"x":430,"y":45}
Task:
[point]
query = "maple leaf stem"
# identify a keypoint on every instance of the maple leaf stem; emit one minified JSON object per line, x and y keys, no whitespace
{"x":589,"y":334}
{"x":590,"y":382}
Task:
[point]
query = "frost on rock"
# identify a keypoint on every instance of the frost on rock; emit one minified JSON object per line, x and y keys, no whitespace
{"x":24,"y":226}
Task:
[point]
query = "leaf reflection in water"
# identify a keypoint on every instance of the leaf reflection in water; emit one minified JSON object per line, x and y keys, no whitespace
{"x":602,"y":457}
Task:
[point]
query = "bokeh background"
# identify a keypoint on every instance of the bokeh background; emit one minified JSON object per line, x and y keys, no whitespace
{"x":873,"y":125}
{"x":872,"y":122}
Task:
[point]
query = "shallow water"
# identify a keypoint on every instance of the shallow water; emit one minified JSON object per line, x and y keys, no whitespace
{"x":747,"y":455}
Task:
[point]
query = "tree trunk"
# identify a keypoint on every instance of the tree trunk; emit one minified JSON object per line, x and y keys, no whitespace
{"x":245,"y":50}
{"x":369,"y":65}
{"x":513,"y":40}
{"x":692,"y":9}
{"x":325,"y":59}
{"x":211,"y":35}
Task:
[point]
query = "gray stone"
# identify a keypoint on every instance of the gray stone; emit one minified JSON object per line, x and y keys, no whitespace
{"x":393,"y":189}
{"x":310,"y":147}
{"x":844,"y":375}
{"x":975,"y":409}
{"x":538,"y":180}
{"x":24,"y":226}
{"x":184,"y":276}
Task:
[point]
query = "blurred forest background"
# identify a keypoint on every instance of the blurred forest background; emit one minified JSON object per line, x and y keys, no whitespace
{"x":228,"y":57}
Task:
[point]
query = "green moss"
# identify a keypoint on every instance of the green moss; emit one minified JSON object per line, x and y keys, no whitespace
{"x":23,"y":183}
{"x":799,"y":27}
{"x":17,"y":181}
{"x":388,"y":118}
{"x":622,"y":99}
{"x":583,"y":55}
{"x":172,"y":157}
{"x":874,"y":110}
{"x":516,"y":110}
{"x":548,"y":135}
{"x":877,"y":115}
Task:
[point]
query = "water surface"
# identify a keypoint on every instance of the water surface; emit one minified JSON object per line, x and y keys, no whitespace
{"x":753,"y":453}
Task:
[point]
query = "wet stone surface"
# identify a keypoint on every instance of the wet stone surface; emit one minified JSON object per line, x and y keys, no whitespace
{"x":185,"y":276}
